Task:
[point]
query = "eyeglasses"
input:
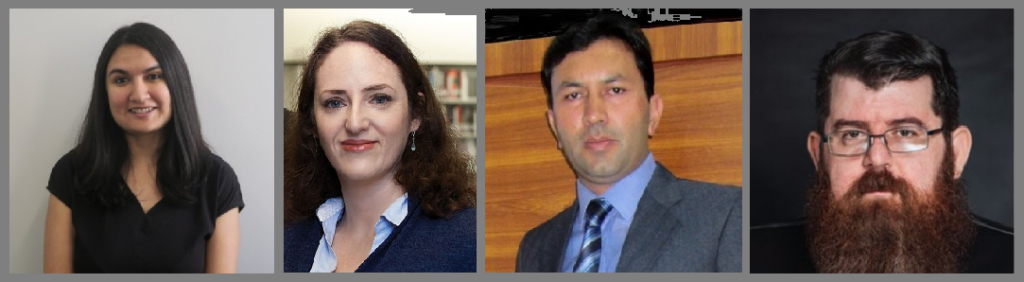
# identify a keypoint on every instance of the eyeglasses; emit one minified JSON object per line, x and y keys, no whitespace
{"x":855,"y":142}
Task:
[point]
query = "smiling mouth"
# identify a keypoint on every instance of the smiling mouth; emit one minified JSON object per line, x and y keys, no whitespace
{"x":141,"y":110}
{"x":356,"y":146}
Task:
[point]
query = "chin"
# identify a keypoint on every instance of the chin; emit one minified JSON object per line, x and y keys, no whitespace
{"x":359,"y":173}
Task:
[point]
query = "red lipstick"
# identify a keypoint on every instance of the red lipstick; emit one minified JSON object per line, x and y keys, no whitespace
{"x":357,"y":145}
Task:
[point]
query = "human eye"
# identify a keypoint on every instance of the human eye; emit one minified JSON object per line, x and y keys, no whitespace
{"x":618,"y":90}
{"x":572,"y":96}
{"x":852,"y":134}
{"x":154,"y":76}
{"x":334,"y":103}
{"x":381,"y":99}
{"x":905,"y":133}
{"x":119,"y":80}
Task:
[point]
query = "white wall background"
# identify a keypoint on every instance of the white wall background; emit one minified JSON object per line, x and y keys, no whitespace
{"x":230,"y":54}
{"x":433,"y":37}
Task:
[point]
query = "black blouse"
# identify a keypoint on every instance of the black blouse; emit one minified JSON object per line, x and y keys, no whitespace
{"x":169,"y":238}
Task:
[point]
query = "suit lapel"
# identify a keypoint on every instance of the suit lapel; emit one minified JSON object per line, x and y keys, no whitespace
{"x":553,"y":252}
{"x":652,"y":224}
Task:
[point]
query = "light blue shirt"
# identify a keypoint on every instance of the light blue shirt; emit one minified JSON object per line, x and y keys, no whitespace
{"x":623,"y":197}
{"x":330,"y":213}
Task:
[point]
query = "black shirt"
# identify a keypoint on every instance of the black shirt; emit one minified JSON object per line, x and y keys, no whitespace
{"x":169,"y":238}
{"x":782,"y":248}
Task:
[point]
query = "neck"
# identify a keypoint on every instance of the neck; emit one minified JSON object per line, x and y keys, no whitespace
{"x":143,"y":148}
{"x":596,"y":188}
{"x":366,"y":200}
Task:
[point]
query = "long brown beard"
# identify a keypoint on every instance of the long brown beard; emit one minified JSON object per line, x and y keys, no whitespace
{"x":920,"y":233}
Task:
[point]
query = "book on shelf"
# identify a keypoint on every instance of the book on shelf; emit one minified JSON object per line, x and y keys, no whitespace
{"x":452,"y":83}
{"x":455,"y":86}
{"x":462,"y":118}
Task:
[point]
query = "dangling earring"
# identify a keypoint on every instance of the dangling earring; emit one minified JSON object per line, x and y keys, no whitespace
{"x":414,"y":141}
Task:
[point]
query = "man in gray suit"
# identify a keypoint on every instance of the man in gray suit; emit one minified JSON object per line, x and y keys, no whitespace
{"x":630,"y":214}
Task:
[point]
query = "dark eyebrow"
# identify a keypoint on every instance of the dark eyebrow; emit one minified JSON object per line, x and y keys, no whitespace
{"x":906,"y":120}
{"x":851,"y":123}
{"x":614,"y":78}
{"x":567,"y":84}
{"x":124,"y":72}
{"x":117,"y":71}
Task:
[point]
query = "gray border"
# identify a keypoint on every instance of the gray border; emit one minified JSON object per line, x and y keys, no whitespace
{"x":477,"y":7}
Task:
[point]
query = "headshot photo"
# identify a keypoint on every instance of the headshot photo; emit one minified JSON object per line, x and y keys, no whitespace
{"x":143,"y":141}
{"x":881,"y":141}
{"x":377,"y":175}
{"x":614,"y":140}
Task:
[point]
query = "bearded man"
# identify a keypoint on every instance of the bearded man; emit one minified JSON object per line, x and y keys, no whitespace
{"x":889,"y":152}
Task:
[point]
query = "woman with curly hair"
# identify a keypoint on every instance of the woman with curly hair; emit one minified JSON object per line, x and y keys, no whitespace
{"x":374,"y":179}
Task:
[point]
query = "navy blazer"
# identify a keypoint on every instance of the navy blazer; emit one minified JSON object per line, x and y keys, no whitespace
{"x":419,"y":244}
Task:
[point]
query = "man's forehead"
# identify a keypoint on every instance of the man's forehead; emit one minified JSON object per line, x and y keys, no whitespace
{"x":612,"y":55}
{"x":889,"y":103}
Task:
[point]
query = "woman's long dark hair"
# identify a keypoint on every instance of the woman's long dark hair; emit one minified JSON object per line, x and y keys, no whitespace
{"x":102,"y":152}
{"x":437,"y":173}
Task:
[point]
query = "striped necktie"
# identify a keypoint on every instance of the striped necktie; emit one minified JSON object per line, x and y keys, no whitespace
{"x":590,"y":253}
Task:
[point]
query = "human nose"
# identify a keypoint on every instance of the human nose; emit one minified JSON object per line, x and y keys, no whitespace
{"x":595,"y":110}
{"x":356,"y":121}
{"x":878,"y":154}
{"x":140,"y":92}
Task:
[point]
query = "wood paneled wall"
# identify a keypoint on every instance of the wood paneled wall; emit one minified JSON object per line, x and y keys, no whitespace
{"x":698,"y":72}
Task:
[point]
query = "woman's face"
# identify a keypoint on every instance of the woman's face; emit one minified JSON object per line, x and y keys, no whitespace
{"x":362,"y":112}
{"x":137,"y":92}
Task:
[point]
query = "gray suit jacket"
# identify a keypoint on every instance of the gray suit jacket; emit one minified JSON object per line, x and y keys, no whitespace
{"x":679,"y":226}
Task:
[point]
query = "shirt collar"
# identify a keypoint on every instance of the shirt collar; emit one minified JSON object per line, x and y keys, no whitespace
{"x":625,"y":194}
{"x":330,"y":212}
{"x":397,"y":211}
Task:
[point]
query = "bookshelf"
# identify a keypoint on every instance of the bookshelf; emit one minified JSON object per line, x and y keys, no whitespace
{"x":454,"y":85}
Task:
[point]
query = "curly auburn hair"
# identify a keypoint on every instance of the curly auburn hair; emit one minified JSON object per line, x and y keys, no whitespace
{"x":438,"y":172}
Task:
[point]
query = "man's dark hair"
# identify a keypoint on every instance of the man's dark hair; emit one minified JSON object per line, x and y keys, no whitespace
{"x":882,"y":57}
{"x":604,"y":26}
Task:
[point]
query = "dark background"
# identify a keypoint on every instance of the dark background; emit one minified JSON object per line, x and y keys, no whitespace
{"x":785,"y":48}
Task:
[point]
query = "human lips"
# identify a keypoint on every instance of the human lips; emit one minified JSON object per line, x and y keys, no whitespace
{"x":598,"y":143}
{"x":141,"y":111}
{"x":357,"y":145}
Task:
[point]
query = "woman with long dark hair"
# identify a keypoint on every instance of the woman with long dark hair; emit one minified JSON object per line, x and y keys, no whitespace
{"x":374,"y":179}
{"x":141,"y":191}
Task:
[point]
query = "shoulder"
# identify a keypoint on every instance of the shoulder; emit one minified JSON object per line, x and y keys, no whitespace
{"x":429,"y":244}
{"x":65,"y":166}
{"x":61,"y":182}
{"x":301,"y":240}
{"x":992,"y":251}
{"x":458,"y":226}
{"x":779,"y":247}
{"x":664,"y":182}
{"x":711,"y":191}
{"x":222,"y":182}
{"x":543,"y":233}
{"x":687,"y":197}
{"x":217,"y":168}
{"x":458,"y":221}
